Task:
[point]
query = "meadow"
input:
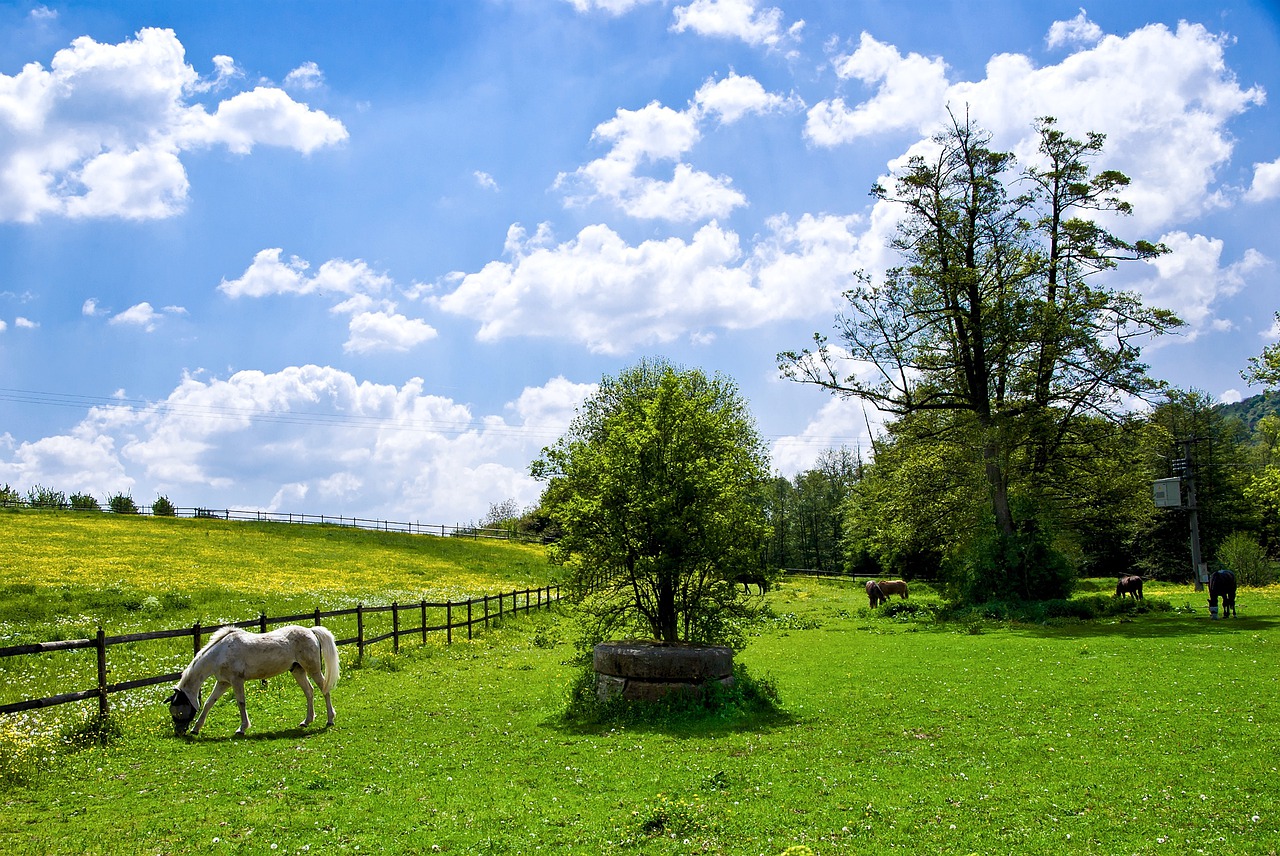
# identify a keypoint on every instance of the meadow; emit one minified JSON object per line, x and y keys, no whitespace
{"x":1144,"y":732}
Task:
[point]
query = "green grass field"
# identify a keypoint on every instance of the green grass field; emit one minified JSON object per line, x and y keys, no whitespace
{"x":1145,"y":733}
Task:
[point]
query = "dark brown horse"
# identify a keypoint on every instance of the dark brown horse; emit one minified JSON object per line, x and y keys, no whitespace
{"x":1130,"y":585}
{"x":748,"y":579}
{"x":1222,"y":584}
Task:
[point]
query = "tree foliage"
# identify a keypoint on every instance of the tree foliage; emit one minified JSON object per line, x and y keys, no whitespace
{"x":656,"y":488}
{"x":1265,"y":368}
{"x":994,"y":322}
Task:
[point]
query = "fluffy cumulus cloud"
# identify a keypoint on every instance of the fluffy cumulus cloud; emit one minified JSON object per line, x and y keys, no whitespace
{"x":736,"y":19}
{"x":614,"y":297}
{"x":101,"y":131}
{"x":1192,"y":278}
{"x":657,"y":134}
{"x":142,"y":315}
{"x":909,"y":94}
{"x":1266,"y":182}
{"x":396,"y":452}
{"x":1171,"y":139}
{"x":1078,"y":31}
{"x":374,"y":323}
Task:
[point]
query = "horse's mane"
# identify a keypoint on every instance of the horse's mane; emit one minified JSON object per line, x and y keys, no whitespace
{"x":207,"y":650}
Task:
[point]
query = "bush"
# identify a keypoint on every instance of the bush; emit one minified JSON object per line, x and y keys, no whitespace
{"x":162,"y":507}
{"x":1241,"y":554}
{"x":84,"y":502}
{"x":43,"y":497}
{"x":9,"y":496}
{"x":1022,"y":566}
{"x":122,"y":503}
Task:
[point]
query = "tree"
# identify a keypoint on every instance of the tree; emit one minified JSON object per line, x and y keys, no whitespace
{"x":993,"y":321}
{"x":657,"y":489}
{"x":1265,"y":368}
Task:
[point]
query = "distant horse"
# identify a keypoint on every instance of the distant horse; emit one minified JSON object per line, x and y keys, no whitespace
{"x":1222,"y":584}
{"x":234,"y":656}
{"x":749,"y":579}
{"x":1130,"y":585}
{"x":878,"y":591}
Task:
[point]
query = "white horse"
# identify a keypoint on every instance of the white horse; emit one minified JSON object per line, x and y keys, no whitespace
{"x":234,"y":656}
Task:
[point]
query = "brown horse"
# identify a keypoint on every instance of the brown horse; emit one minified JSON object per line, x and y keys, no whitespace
{"x":878,"y":591}
{"x":1131,"y":586}
{"x":748,"y":579}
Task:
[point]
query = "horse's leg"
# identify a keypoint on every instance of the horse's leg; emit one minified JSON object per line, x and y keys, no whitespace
{"x":238,"y":687}
{"x":219,"y":687}
{"x":300,"y":675}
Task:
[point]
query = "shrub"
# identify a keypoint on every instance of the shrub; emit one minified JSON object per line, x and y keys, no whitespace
{"x":162,"y":507}
{"x":40,"y":496}
{"x":84,"y":502}
{"x":1241,"y":554}
{"x":9,"y":496}
{"x":1022,"y":566}
{"x":122,"y":503}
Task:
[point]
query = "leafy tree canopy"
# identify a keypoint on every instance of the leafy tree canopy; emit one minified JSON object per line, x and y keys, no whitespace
{"x":657,"y":489}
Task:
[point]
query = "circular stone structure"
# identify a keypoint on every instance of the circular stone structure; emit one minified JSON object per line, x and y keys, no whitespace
{"x":646,"y":671}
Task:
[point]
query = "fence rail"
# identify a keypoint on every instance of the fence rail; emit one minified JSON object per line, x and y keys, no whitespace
{"x":478,"y":612}
{"x":444,"y":530}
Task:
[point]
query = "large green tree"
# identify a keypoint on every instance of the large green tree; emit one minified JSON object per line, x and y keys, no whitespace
{"x":1265,"y":368}
{"x":995,"y":321}
{"x":657,"y":490}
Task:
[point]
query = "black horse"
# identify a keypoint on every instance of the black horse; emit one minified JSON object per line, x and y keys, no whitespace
{"x":1222,"y":584}
{"x":1130,"y":585}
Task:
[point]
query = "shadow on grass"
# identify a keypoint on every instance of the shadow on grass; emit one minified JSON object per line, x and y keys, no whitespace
{"x":291,"y":733}
{"x":1150,"y":626}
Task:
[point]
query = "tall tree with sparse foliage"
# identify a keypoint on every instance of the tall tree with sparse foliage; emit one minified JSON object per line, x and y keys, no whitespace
{"x":656,"y":488}
{"x":995,"y":321}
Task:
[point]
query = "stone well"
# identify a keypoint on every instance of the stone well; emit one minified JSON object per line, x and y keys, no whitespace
{"x":646,"y":671}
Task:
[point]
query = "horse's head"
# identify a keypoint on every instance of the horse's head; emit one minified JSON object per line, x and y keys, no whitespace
{"x":182,"y":709}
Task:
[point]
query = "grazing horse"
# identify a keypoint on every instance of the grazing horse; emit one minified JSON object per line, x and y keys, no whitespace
{"x":750,"y":578}
{"x":878,"y":591}
{"x":1130,"y":585}
{"x":1222,"y":584}
{"x":234,"y":656}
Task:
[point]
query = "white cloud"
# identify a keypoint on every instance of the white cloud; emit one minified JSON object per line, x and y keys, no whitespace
{"x":1078,"y":31}
{"x":657,"y":134}
{"x":4,"y":325}
{"x":305,"y":77}
{"x":736,"y":96}
{"x":613,"y":297}
{"x":386,"y":331}
{"x":485,"y":180}
{"x":1191,"y":279}
{"x":911,"y":93}
{"x":396,"y":452}
{"x":101,"y":131}
{"x":1230,"y":396}
{"x":841,"y":422}
{"x":374,"y":324}
{"x":25,"y":323}
{"x":736,"y":19}
{"x":90,"y":308}
{"x":613,"y":7}
{"x":1266,"y":182}
{"x":143,"y":315}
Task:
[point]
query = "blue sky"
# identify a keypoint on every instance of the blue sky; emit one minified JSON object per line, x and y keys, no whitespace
{"x":366,"y":258}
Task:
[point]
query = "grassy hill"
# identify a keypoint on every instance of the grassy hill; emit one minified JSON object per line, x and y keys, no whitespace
{"x":67,"y":570}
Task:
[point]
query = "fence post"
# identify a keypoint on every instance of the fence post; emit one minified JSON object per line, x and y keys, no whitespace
{"x":424,"y":622}
{"x":448,"y":622}
{"x":395,"y":627}
{"x":486,"y":612}
{"x":317,"y":616}
{"x":195,"y":638}
{"x":101,"y":644}
{"x":359,"y":632}
{"x":262,"y":622}
{"x":468,"y":619}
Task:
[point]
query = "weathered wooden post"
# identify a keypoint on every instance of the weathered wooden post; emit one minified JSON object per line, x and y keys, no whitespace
{"x":448,"y":622}
{"x":102,"y":672}
{"x":468,"y":619}
{"x":195,"y":639}
{"x":423,"y":628}
{"x":395,"y":627}
{"x":359,"y":632}
{"x":262,"y":622}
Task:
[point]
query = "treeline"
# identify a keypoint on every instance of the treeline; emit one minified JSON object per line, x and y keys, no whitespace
{"x":39,"y":496}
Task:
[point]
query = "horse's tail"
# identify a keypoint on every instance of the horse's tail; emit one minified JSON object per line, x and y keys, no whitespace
{"x":329,"y":649}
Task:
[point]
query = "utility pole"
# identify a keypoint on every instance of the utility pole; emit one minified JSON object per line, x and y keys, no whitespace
{"x":1186,"y":468}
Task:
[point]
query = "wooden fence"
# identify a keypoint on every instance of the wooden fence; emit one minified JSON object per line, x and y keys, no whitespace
{"x":477,"y":611}
{"x":457,"y":530}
